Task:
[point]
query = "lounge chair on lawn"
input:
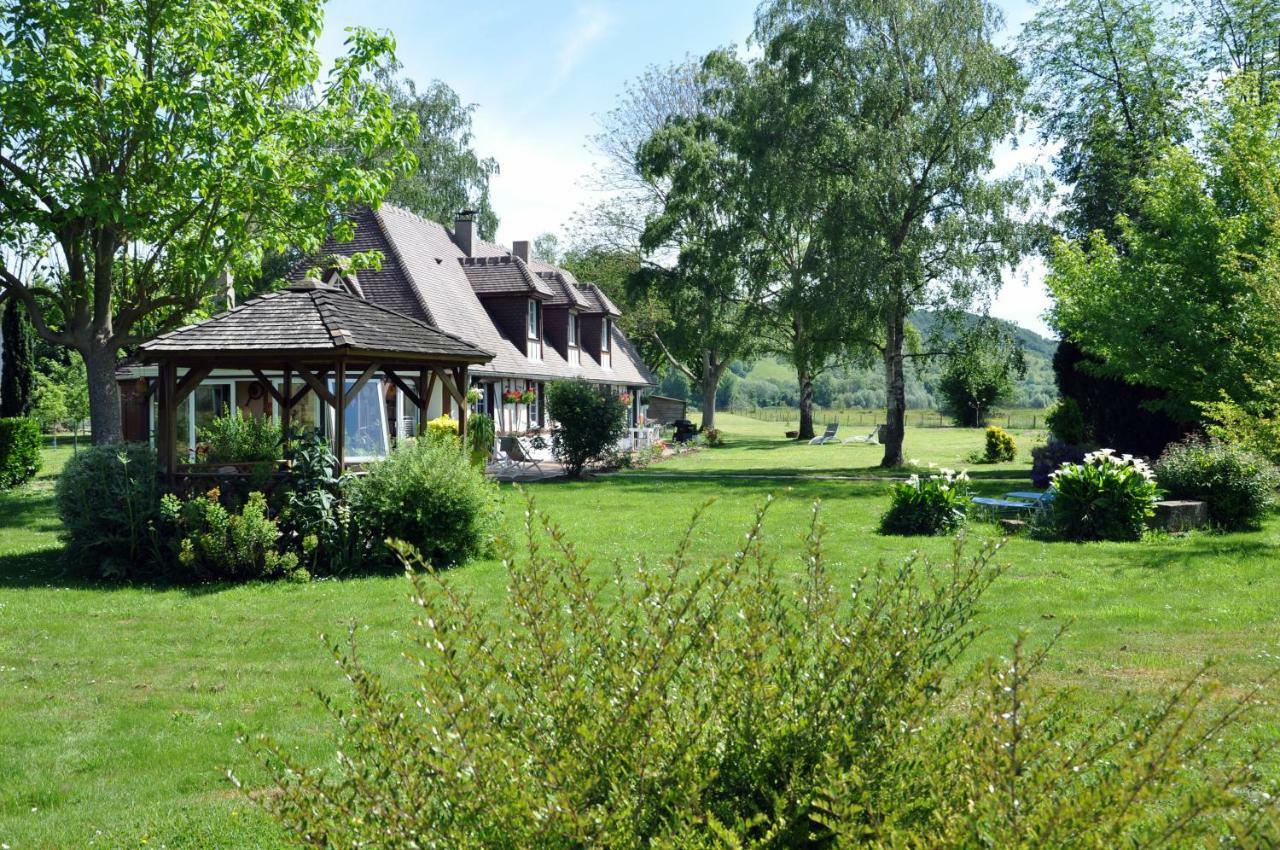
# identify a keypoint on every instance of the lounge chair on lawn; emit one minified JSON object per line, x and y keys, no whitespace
{"x":1017,"y":502}
{"x":871,"y":439}
{"x":829,"y":436}
{"x":523,"y":453}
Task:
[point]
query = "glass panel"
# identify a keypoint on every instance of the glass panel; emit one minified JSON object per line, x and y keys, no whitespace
{"x":210,"y":401}
{"x":604,"y":335}
{"x":533,"y":320}
{"x":366,"y":436}
{"x":573,"y":329}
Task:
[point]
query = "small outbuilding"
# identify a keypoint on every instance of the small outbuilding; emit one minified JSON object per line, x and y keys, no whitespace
{"x":319,"y":340}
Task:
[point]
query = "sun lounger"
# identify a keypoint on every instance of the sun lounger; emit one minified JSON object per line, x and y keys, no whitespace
{"x":872,"y":438}
{"x":828,"y":436}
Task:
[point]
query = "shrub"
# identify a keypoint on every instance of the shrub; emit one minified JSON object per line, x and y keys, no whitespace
{"x":720,"y":703}
{"x":713,"y":437}
{"x":481,"y":434}
{"x":1000,"y":446}
{"x":317,"y":515}
{"x":108,"y":499}
{"x":442,"y":426}
{"x":1234,"y":425}
{"x":429,"y":495}
{"x":933,"y":505}
{"x":1105,"y":497}
{"x":1066,"y":422}
{"x":1046,"y":459}
{"x":19,"y":451}
{"x":215,"y":544}
{"x":232,"y":438}
{"x":589,"y":423}
{"x":1238,"y":487}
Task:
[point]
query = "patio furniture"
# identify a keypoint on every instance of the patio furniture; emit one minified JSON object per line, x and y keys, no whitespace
{"x":828,"y":436}
{"x":1017,"y":502}
{"x":871,"y":439}
{"x":524,"y":454}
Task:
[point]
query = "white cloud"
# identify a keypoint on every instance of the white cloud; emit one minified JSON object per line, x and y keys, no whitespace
{"x":591,"y":21}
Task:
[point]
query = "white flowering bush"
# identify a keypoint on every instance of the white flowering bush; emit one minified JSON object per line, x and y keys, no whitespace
{"x":933,"y":505}
{"x":1106,"y":497}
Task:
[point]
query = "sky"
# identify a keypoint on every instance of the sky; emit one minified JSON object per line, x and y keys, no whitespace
{"x":541,"y":72}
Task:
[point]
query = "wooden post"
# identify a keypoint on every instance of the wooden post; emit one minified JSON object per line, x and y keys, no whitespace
{"x":460,"y":379}
{"x":340,"y":415}
{"x":424,"y":399}
{"x":286,"y":409}
{"x":167,"y":426}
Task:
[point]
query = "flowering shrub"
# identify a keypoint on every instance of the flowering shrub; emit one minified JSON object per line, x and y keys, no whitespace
{"x":1238,"y":487}
{"x":512,"y":397}
{"x":1000,"y":446}
{"x":1105,"y":497}
{"x":442,"y":426}
{"x":933,"y":505}
{"x":713,"y":437}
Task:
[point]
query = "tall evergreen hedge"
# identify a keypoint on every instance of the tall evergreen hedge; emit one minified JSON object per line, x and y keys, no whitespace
{"x":19,"y":451}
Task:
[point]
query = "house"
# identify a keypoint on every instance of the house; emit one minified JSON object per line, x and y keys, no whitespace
{"x":539,"y":323}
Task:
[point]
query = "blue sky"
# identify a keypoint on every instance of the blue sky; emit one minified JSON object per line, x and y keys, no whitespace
{"x":541,"y":71}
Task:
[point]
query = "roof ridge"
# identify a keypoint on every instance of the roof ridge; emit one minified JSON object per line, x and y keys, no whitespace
{"x":338,"y":336}
{"x":399,"y":259}
{"x":372,"y":305}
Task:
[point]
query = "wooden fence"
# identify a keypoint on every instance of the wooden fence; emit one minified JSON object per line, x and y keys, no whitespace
{"x":1022,"y":419}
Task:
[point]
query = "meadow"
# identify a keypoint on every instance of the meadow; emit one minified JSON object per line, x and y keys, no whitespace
{"x":120,"y":705}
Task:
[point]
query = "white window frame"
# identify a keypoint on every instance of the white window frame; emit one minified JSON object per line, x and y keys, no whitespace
{"x":331,"y":422}
{"x":606,"y":338}
{"x":531,"y":319}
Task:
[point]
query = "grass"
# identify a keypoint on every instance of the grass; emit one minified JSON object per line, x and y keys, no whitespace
{"x":119,"y":706}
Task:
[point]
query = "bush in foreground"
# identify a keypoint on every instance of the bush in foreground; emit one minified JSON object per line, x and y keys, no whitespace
{"x":932,"y":505}
{"x":589,"y":423}
{"x":1238,"y":487}
{"x":429,"y":495}
{"x":19,"y":451}
{"x":728,"y":704}
{"x":1105,"y":497}
{"x":109,"y":499}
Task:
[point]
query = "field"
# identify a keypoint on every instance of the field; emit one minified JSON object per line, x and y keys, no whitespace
{"x":120,"y":706}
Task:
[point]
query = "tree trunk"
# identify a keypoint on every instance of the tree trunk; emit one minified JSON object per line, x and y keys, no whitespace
{"x":895,"y":393}
{"x":104,"y":395}
{"x":712,"y":372}
{"x":806,"y":404}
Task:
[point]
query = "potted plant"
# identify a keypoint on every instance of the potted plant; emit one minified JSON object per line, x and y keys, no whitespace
{"x":529,"y":397}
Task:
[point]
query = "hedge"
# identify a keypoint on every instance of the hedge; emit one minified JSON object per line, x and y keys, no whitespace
{"x":19,"y":451}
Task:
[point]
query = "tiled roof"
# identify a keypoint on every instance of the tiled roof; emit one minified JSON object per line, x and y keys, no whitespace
{"x":504,"y":276}
{"x":566,"y":294}
{"x":596,"y":299}
{"x":313,"y":318}
{"x":422,"y":265}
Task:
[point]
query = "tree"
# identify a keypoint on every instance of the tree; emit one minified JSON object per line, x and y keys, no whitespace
{"x":1189,"y":301}
{"x":546,"y":247}
{"x":17,"y":369}
{"x":980,"y":373}
{"x":450,"y":176}
{"x":1239,"y":37}
{"x":589,"y":422}
{"x":906,"y":101}
{"x":147,"y":147}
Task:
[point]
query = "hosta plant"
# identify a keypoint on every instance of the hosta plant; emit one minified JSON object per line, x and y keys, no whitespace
{"x":935,"y":504}
{"x":1105,"y":497}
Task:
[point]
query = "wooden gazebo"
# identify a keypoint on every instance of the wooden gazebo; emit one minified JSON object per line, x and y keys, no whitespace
{"x":308,"y":334}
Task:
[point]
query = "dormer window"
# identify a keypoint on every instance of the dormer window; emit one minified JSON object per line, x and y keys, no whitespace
{"x":533,"y":346}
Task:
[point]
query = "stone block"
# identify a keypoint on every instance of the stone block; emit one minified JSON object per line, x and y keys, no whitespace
{"x":1181,"y":515}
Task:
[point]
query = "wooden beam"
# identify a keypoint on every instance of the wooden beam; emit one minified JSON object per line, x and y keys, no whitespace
{"x":167,"y":422}
{"x":189,"y":382}
{"x":275,"y":394}
{"x":425,"y":383}
{"x":339,"y":414}
{"x":317,"y":386}
{"x":403,"y":386}
{"x":286,"y":409}
{"x":448,"y":386}
{"x":460,"y":378}
{"x":368,"y":373}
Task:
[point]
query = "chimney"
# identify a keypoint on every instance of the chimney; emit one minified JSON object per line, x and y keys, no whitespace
{"x":464,"y":230}
{"x":521,"y":249}
{"x":228,"y":286}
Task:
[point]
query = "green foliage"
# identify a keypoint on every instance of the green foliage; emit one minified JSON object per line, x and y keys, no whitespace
{"x":713,"y":437}
{"x":481,"y":435}
{"x":588,"y":423}
{"x":1238,"y":487}
{"x":429,"y":495}
{"x":1105,"y":497}
{"x":1000,"y":446}
{"x":20,"y":444}
{"x":732,"y":702}
{"x":1066,"y":422}
{"x":212,"y":543}
{"x":936,"y":504}
{"x":233,"y":438}
{"x":108,"y":501}
{"x":17,"y":363}
{"x":317,"y":516}
{"x":979,"y":374}
{"x":1046,"y":459}
{"x":1234,"y":425}
{"x":182,"y":141}
{"x":442,"y":427}
{"x":49,"y":403}
{"x":1186,"y":302}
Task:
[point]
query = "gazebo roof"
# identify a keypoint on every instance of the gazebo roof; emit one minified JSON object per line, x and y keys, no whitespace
{"x":311,"y":319}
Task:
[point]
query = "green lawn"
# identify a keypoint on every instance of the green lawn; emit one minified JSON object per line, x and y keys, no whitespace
{"x":119,"y":707}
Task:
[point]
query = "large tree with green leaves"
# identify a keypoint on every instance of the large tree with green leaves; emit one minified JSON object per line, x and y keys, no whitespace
{"x":450,"y":176}
{"x":149,"y":146}
{"x":1189,"y":300}
{"x":906,"y":101}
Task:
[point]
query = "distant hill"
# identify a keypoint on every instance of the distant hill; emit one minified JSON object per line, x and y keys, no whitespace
{"x":770,"y":382}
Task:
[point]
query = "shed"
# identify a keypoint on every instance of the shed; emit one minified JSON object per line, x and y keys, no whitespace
{"x":665,"y":410}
